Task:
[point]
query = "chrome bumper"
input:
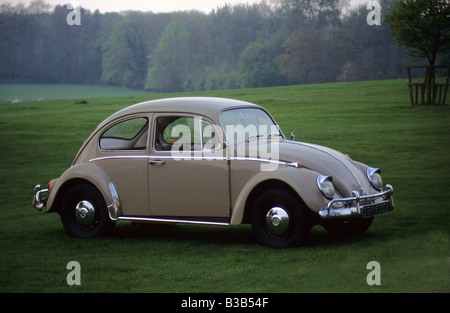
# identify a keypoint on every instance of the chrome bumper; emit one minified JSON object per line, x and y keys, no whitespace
{"x":39,"y":201}
{"x":354,"y":208}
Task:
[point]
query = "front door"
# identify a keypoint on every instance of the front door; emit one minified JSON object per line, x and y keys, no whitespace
{"x":188,"y":175}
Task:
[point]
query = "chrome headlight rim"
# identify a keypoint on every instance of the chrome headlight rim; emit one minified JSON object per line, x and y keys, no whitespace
{"x":326,"y":187}
{"x":374,"y":177}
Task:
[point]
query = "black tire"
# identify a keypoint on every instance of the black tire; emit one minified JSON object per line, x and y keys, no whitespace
{"x":84,"y":213}
{"x":282,"y":208}
{"x":348,"y":228}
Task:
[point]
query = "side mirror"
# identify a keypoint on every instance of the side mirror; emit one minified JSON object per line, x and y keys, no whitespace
{"x":292,"y":135}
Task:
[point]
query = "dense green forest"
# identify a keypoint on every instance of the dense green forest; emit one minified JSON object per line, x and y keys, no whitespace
{"x":274,"y":42}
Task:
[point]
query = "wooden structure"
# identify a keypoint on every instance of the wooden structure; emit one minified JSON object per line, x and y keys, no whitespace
{"x":428,"y":92}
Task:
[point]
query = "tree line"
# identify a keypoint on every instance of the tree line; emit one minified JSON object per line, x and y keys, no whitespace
{"x":272,"y":43}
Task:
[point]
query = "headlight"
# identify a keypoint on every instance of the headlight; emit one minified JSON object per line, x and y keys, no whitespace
{"x":373,"y":174}
{"x":325,"y":184}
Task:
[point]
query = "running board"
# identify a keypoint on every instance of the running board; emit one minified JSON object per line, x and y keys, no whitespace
{"x":199,"y":221}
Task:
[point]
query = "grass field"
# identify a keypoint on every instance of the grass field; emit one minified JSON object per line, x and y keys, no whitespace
{"x":35,"y":92}
{"x":373,"y":122}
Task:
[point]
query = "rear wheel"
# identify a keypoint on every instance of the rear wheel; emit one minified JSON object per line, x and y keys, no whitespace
{"x":278,"y":219}
{"x":83,"y":212}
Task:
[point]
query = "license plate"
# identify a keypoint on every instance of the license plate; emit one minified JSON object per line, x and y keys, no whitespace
{"x":374,"y":209}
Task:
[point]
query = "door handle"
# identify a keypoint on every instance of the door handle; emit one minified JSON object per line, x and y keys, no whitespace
{"x":157,"y":162}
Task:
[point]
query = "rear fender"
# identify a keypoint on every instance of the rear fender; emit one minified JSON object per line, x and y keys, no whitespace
{"x":85,"y":172}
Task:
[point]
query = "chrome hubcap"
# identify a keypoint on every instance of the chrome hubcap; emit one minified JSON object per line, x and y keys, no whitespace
{"x":277,"y":220}
{"x":85,"y":213}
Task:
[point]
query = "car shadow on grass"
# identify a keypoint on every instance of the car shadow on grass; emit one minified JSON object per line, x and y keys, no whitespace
{"x":241,"y":234}
{"x":203,"y":233}
{"x":320,"y":237}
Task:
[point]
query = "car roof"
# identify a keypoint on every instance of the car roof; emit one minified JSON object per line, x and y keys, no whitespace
{"x":206,"y":106}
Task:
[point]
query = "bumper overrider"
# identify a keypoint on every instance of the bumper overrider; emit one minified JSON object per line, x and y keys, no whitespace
{"x":40,"y":198}
{"x":360,"y":206}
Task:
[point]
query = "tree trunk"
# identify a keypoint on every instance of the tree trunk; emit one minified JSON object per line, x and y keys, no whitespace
{"x":429,"y":80}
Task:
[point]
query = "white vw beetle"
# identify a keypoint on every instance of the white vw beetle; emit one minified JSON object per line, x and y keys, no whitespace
{"x":211,"y":161}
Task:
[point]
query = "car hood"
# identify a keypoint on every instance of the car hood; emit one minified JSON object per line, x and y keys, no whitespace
{"x":347,"y":175}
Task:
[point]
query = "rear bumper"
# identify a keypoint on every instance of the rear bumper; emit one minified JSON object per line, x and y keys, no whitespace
{"x":40,"y":198}
{"x":360,"y":206}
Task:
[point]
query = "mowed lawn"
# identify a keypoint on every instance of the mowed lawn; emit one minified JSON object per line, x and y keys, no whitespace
{"x":373,"y":122}
{"x":40,"y":92}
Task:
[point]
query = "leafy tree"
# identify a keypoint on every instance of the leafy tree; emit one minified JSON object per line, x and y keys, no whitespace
{"x":125,"y":60}
{"x":170,"y":60}
{"x":257,"y":67}
{"x":305,"y":59}
{"x":368,"y":52}
{"x":314,"y":13}
{"x":423,"y":26}
{"x":38,"y":6}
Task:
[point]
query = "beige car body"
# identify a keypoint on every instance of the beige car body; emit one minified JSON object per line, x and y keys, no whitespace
{"x":149,"y":185}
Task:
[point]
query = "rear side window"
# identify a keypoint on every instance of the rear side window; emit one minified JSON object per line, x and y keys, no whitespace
{"x":127,"y":135}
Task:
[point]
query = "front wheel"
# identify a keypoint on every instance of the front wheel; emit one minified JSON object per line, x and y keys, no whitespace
{"x":278,"y":219}
{"x":83,"y":212}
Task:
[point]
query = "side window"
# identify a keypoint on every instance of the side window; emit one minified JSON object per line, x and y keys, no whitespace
{"x":182,"y":133}
{"x":127,"y":135}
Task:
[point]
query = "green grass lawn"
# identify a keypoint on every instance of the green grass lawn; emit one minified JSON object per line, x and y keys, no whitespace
{"x":373,"y":122}
{"x":40,"y":92}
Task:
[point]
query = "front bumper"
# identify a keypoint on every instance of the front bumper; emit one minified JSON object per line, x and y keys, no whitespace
{"x":360,"y":206}
{"x":40,"y":198}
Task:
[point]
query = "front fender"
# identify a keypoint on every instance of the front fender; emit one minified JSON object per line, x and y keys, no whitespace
{"x":301,"y":180}
{"x":87,"y":172}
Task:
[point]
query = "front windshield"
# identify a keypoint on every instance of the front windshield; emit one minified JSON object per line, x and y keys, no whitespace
{"x":245,"y":124}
